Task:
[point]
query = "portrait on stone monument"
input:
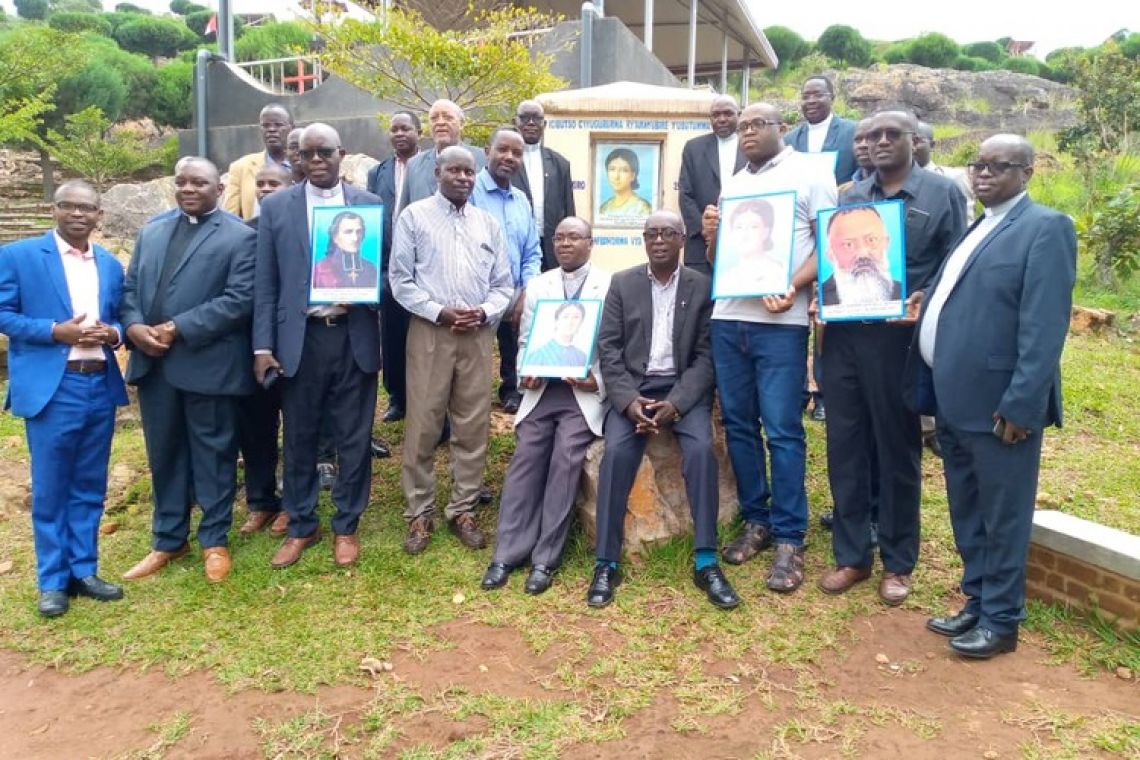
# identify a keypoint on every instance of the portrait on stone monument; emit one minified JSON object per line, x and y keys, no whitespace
{"x":754,"y":245}
{"x":627,"y":182}
{"x":862,"y":262}
{"x":561,"y":339}
{"x":346,"y":244}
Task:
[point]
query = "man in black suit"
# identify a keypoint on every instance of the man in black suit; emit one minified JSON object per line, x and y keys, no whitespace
{"x":552,"y":198}
{"x":187,"y":299}
{"x":867,"y":422}
{"x":706,"y":162}
{"x":656,"y":362}
{"x":326,"y":355}
{"x":386,"y":180}
{"x":987,"y":358}
{"x":822,"y":131}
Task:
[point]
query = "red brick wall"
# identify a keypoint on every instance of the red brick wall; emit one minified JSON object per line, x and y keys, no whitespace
{"x":1055,"y":577}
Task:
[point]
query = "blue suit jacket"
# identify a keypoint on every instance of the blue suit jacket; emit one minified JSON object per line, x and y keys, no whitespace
{"x":281,"y":293}
{"x":33,"y":295}
{"x":1002,"y":329}
{"x":210,"y":297}
{"x":840,"y":138}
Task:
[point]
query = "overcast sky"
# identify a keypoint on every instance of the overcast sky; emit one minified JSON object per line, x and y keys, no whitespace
{"x":1049,"y":23}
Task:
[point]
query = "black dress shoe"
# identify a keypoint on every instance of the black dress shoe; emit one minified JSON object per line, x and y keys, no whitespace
{"x":485,"y":495}
{"x":444,"y":433}
{"x":711,"y":580}
{"x":94,"y":587}
{"x":394,"y":413}
{"x":53,"y":603}
{"x":379,"y":449}
{"x":982,"y":643}
{"x":511,"y":403}
{"x":819,"y":411}
{"x":496,"y":576}
{"x":930,"y":441}
{"x":826,"y":519}
{"x":539,"y":580}
{"x":601,"y":591}
{"x":952,"y":625}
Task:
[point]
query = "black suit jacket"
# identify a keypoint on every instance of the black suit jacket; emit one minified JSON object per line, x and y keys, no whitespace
{"x":382,"y":184}
{"x":210,"y":296}
{"x":626,"y":333}
{"x":840,"y":138}
{"x":557,"y":198}
{"x":699,"y":186}
{"x":281,"y":290}
{"x":1002,"y":328}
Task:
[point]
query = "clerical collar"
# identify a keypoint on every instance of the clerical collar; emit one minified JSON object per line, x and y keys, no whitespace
{"x":323,"y":192}
{"x":577,"y":274}
{"x":201,"y":217}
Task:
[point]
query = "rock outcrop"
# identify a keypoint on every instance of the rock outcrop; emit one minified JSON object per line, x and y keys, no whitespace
{"x":127,"y":207}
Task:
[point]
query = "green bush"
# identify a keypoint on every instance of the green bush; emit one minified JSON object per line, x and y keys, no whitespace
{"x":1131,"y":45}
{"x":155,"y":36}
{"x":96,"y":84}
{"x":990,"y":51}
{"x":172,"y":101}
{"x":33,"y":10}
{"x":131,"y":8}
{"x":972,"y":63}
{"x":1113,"y":236}
{"x":117,"y":19}
{"x":933,"y":50}
{"x":896,"y":53}
{"x":844,"y":45}
{"x":274,"y":40}
{"x":1022,"y":65}
{"x":179,"y":7}
{"x":80,"y":22}
{"x":790,"y":47}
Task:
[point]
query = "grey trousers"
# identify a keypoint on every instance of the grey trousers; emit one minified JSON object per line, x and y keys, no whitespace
{"x":542,"y":481}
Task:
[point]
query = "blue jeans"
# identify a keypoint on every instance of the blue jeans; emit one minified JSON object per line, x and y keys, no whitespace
{"x":760,"y":374}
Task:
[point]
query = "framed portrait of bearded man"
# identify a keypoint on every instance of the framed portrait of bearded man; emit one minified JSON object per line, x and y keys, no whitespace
{"x":862,"y":262}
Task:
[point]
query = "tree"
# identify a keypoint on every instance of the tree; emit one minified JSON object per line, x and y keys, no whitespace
{"x":88,"y":147}
{"x":991,"y":51}
{"x":32,"y":10}
{"x":30,"y":67}
{"x":273,"y":40}
{"x":1130,"y":47}
{"x":155,"y":37}
{"x":899,"y":52}
{"x":71,"y":21}
{"x":844,"y":45}
{"x":1108,"y":87}
{"x":131,"y":8}
{"x":172,"y":96}
{"x":75,"y":6}
{"x":486,"y":69}
{"x":790,"y":47}
{"x":933,"y":50}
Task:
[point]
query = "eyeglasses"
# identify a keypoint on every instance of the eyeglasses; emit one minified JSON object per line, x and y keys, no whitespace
{"x":67,"y":207}
{"x":667,"y":234}
{"x":325,"y":153}
{"x":993,"y":167}
{"x":891,"y":134}
{"x":572,"y":237}
{"x":750,"y":125}
{"x":529,"y":118}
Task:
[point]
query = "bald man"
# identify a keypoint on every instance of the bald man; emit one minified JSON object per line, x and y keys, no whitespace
{"x":187,"y":300}
{"x":240,"y":196}
{"x":445,"y":124}
{"x":706,"y":163}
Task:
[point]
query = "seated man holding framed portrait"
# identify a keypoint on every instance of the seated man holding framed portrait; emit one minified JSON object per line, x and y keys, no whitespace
{"x":558,"y":419}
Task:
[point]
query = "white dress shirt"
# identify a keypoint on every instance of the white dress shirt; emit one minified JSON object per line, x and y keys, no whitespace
{"x":536,"y":176}
{"x":83,"y":286}
{"x":817,"y":134}
{"x":726,"y":152}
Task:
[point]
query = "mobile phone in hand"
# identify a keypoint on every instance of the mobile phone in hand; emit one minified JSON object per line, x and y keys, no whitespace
{"x":271,"y":376}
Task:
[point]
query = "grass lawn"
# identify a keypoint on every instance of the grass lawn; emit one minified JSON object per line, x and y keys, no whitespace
{"x":311,"y":625}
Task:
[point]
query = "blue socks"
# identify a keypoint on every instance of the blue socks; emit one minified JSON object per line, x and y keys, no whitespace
{"x":705,"y":558}
{"x":599,"y":563}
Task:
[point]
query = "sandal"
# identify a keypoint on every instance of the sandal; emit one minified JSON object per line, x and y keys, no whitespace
{"x":787,"y":571}
{"x":754,"y":539}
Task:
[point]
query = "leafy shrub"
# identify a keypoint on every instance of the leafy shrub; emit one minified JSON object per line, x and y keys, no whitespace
{"x":172,"y":101}
{"x":896,"y":53}
{"x":844,"y":45}
{"x":790,"y":47}
{"x":275,"y":40}
{"x":1022,"y":65}
{"x":131,"y":8}
{"x":971,"y":63}
{"x":933,"y":50}
{"x":990,"y":51}
{"x":86,"y":147}
{"x":155,"y":36}
{"x":80,"y":22}
{"x":1113,"y":235}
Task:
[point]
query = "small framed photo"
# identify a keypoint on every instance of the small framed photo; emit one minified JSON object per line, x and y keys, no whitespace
{"x":561,"y":339}
{"x":346,"y":244}
{"x":627,"y":182}
{"x":754,"y":245}
{"x":862,"y":262}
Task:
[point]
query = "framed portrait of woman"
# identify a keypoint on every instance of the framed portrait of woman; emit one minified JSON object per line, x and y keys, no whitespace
{"x":754,"y":246}
{"x":346,"y":243}
{"x":627,"y":182}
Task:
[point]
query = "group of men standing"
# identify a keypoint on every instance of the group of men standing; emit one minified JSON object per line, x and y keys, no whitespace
{"x":216,"y":315}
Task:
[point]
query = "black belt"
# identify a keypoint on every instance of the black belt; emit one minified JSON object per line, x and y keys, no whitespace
{"x":87,"y":366}
{"x":334,"y":320}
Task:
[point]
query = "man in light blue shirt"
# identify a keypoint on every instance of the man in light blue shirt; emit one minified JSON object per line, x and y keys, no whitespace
{"x":494,"y":193}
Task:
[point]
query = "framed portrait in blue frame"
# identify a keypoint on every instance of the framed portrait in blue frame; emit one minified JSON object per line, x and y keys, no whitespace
{"x":862,"y":262}
{"x":345,"y":266}
{"x":561,"y":339}
{"x":754,"y":245}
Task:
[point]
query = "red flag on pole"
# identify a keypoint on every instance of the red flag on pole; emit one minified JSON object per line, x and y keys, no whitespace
{"x":211,"y":26}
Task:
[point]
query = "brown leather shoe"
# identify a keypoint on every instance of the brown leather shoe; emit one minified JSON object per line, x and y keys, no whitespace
{"x":218,"y":563}
{"x":257,"y":522}
{"x":346,"y":550}
{"x":280,"y":524}
{"x":153,"y":562}
{"x":894,"y":588}
{"x":292,"y":548}
{"x":839,"y":579}
{"x":468,"y":532}
{"x":419,"y":533}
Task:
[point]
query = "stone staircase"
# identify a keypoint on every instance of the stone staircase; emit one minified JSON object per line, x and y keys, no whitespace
{"x":23,"y":218}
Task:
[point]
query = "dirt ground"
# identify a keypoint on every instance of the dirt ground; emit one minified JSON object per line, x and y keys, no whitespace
{"x":896,"y":678}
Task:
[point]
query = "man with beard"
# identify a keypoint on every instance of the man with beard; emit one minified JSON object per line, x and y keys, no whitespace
{"x":241,"y":189}
{"x":857,"y":243}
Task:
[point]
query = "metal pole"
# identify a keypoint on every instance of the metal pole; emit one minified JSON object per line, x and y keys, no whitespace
{"x":586,"y":46}
{"x":201,"y":119}
{"x":692,"y":43}
{"x":744,"y":85}
{"x":724,"y":61}
{"x":226,"y":29}
{"x":648,"y":34}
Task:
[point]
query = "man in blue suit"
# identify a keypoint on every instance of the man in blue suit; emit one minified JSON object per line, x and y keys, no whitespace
{"x":59,"y":307}
{"x":327,"y":355}
{"x":822,"y":131}
{"x":186,"y":305}
{"x":989,"y":344}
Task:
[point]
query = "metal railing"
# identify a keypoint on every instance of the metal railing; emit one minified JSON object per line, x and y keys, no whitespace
{"x":286,"y":76}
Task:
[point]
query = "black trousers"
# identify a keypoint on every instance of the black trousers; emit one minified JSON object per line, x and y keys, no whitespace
{"x":868,"y":423}
{"x":259,"y":419}
{"x":508,"y":336}
{"x":394,"y":321}
{"x":191,"y":446}
{"x":328,"y":382}
{"x":624,"y":449}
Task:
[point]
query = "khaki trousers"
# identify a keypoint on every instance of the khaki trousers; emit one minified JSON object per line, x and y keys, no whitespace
{"x":448,"y":374}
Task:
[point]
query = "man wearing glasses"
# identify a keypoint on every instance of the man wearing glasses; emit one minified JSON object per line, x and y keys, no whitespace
{"x":759,"y":348}
{"x":653,"y":347}
{"x":544,"y":178}
{"x":240,"y":196}
{"x":987,"y":353}
{"x":65,"y":383}
{"x":863,"y":363}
